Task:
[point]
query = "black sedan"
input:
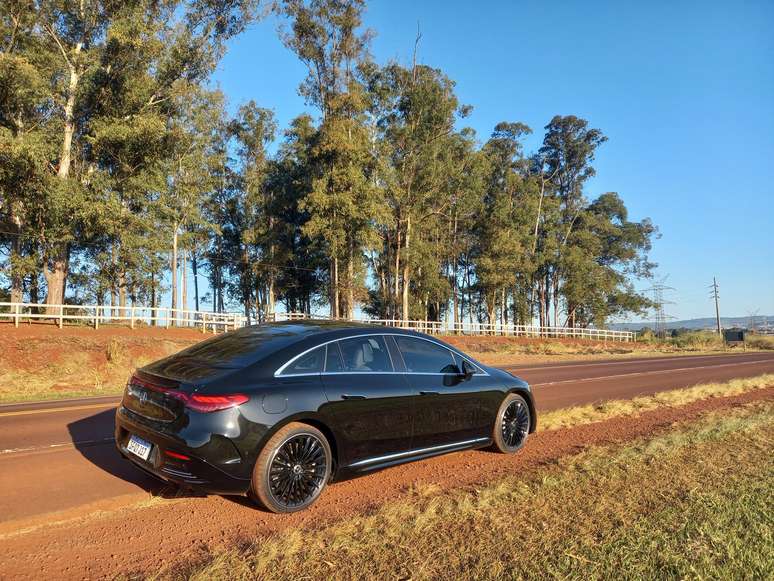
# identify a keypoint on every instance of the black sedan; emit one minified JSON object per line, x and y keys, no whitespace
{"x":279,"y":410}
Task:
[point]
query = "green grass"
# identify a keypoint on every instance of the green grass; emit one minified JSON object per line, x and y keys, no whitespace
{"x":695,"y":503}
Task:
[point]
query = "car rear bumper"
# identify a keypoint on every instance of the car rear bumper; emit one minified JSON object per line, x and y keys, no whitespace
{"x":195,"y":473}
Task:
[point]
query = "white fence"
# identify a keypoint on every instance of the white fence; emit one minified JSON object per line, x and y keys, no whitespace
{"x":95,"y":315}
{"x":449,"y":328}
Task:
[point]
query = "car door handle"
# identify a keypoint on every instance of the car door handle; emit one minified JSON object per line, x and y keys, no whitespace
{"x":429,"y":393}
{"x":352,"y":396}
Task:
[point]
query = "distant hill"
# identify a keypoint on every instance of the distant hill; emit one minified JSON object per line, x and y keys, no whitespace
{"x":698,"y":324}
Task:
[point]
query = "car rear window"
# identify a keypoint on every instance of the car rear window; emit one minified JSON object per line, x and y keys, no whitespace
{"x":222,"y":354}
{"x":311,"y":362}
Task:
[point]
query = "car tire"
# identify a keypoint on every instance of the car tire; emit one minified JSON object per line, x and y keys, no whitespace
{"x":292,"y":469}
{"x":512,"y":425}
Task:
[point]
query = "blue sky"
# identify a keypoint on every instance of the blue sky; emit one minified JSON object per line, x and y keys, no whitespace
{"x":683,"y":90}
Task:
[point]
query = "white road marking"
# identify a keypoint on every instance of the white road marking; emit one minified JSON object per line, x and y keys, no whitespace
{"x":580,"y":380}
{"x":54,"y":446}
{"x":59,"y":409}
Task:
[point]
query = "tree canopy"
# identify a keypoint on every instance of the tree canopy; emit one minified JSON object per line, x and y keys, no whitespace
{"x":122,"y":173}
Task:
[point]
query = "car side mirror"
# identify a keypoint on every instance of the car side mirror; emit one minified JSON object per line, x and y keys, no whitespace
{"x":467,"y":370}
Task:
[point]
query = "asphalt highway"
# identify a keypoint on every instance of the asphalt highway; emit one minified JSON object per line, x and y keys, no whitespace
{"x":59,"y":456}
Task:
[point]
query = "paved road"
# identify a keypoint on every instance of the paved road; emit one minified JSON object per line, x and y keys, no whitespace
{"x":58,"y":456}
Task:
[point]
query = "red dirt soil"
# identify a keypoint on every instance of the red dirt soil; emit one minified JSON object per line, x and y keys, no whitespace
{"x":178,"y":531}
{"x":33,"y":348}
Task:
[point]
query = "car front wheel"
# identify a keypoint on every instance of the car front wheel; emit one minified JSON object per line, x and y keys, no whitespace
{"x":292,"y":469}
{"x":512,"y":425}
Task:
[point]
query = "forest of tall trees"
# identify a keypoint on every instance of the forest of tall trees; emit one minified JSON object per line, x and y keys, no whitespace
{"x":124,"y":179}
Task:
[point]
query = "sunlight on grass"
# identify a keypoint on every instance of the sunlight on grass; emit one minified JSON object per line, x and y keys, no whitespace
{"x":587,"y":414}
{"x":694,"y":502}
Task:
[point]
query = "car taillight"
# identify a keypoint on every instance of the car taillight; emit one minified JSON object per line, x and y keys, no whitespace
{"x":213,"y":403}
{"x":176,"y":455}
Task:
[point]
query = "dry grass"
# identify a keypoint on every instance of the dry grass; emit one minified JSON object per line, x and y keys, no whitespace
{"x":762,"y":342}
{"x":75,"y":367}
{"x":693,"y":503}
{"x":587,"y":414}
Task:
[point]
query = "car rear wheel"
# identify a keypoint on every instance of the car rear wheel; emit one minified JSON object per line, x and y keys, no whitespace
{"x":512,"y":425}
{"x":292,"y":469}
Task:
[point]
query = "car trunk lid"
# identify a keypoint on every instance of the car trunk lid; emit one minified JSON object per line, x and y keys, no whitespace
{"x":153,"y":397}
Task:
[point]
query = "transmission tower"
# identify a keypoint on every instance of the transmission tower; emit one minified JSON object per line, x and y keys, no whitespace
{"x":752,"y":317}
{"x":660,"y":316}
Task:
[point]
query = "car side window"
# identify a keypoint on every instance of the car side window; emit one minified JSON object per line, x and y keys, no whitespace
{"x":333,"y":358}
{"x":312,"y":362}
{"x":423,"y":356}
{"x":364,"y":354}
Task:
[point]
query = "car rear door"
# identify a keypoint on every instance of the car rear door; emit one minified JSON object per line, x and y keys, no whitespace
{"x":370,"y":403}
{"x":448,"y":409}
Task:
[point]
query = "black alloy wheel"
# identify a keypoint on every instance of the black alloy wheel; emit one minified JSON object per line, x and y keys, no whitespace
{"x":512,"y":426}
{"x":298,"y":470}
{"x":292,"y":469}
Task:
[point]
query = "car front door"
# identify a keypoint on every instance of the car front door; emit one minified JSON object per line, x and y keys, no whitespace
{"x":448,"y":407}
{"x":370,"y":403}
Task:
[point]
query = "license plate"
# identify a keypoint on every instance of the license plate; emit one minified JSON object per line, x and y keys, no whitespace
{"x":139,"y":447}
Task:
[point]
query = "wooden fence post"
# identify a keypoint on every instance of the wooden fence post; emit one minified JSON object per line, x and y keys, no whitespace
{"x":17,"y":311}
{"x":131,"y":317}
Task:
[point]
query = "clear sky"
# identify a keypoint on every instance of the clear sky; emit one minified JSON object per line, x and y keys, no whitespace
{"x":683,"y":90}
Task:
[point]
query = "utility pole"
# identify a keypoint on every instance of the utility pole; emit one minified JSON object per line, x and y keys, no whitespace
{"x":715,"y":295}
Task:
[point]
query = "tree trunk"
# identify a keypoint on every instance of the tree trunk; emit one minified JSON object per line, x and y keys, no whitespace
{"x":394,"y":305}
{"x":57,"y":273}
{"x":406,"y":272}
{"x":122,"y":294}
{"x":173,"y":266}
{"x":195,"y":280}
{"x":153,"y":298}
{"x":351,"y":282}
{"x":334,"y":290}
{"x":16,"y":279}
{"x":184,"y":282}
{"x":56,"y":278}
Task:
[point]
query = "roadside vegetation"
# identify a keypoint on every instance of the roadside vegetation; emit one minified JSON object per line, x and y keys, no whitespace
{"x":586,"y":414}
{"x":694,"y":502}
{"x":38,"y":363}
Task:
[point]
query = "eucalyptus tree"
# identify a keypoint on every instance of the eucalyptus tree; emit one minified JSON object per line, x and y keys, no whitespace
{"x":299,"y":259}
{"x":253,"y":129}
{"x":604,"y":253}
{"x":502,"y":231}
{"x":416,"y":111}
{"x":342,"y":205}
{"x":568,"y":150}
{"x":76,"y":51}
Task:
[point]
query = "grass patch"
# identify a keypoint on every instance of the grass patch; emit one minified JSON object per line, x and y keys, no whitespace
{"x":74,"y":367}
{"x":695,"y":502}
{"x":762,"y":342}
{"x":586,"y":414}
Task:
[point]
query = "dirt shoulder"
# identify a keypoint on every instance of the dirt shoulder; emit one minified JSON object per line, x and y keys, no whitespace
{"x":191,"y":529}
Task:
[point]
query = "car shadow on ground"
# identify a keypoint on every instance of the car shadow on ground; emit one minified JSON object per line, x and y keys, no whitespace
{"x":93,"y":438}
